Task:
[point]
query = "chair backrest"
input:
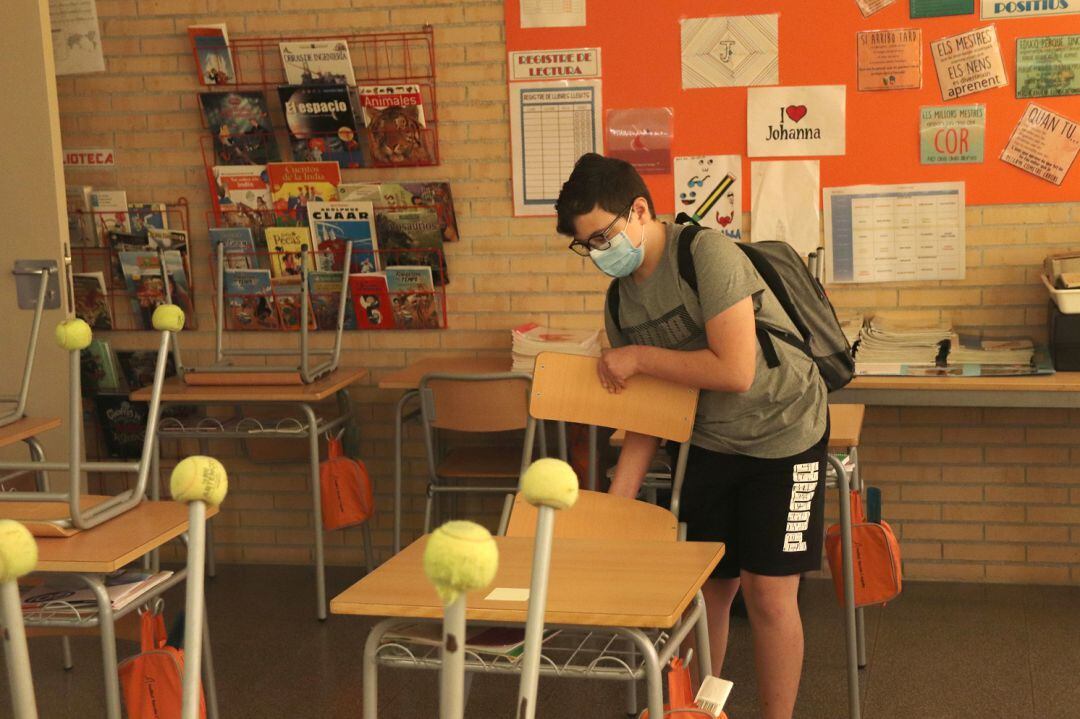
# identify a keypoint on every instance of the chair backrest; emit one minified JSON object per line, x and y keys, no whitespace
{"x":475,"y":403}
{"x":599,"y":515}
{"x":566,"y":388}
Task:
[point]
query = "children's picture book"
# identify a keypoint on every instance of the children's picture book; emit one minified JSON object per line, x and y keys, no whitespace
{"x":333,"y":224}
{"x":289,"y":249}
{"x":322,"y":124}
{"x":401,"y":195}
{"x":412,"y":295}
{"x":98,"y":369}
{"x":287,"y":292}
{"x":167,"y":239}
{"x":92,"y":300}
{"x":411,"y":237}
{"x":110,"y":209}
{"x":142,"y":276}
{"x":294,"y":184}
{"x":371,"y":301}
{"x":59,"y":591}
{"x":239,"y":247}
{"x":240,"y":125}
{"x":317,"y":62}
{"x":239,"y":187}
{"x":213,"y":57}
{"x":123,"y":424}
{"x":324,"y":289}
{"x":82,"y":229}
{"x":394,"y":117}
{"x":249,"y":300}
{"x":146,"y":216}
{"x":137,"y":366}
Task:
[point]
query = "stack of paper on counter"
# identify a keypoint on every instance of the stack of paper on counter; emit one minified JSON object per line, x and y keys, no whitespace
{"x":851,"y":324}
{"x":887,"y":345}
{"x":532,"y":339}
{"x":986,"y":351}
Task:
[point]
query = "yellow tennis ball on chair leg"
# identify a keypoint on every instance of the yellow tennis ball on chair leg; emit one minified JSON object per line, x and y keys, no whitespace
{"x":18,"y":550}
{"x":74,"y":335}
{"x":459,"y":557}
{"x":199,"y":478}
{"x":168,"y":318}
{"x":551,"y":483}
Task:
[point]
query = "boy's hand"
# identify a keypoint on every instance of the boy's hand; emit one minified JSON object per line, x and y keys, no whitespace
{"x":616,"y":366}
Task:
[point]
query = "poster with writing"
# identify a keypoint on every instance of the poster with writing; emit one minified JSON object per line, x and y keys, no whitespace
{"x":968,"y":63}
{"x":76,"y":37}
{"x":784,"y":203}
{"x":1043,"y":143}
{"x":1019,"y":9}
{"x":796,"y":120}
{"x":642,"y":137}
{"x":730,"y":51}
{"x":890,"y":59}
{"x":695,"y":178}
{"x":869,"y":7}
{"x":952,"y":134}
{"x":571,"y":64}
{"x":552,"y":13}
{"x":1048,"y":66}
{"x":941,"y":8}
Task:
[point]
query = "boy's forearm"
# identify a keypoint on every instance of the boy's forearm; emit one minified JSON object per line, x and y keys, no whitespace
{"x":696,"y":368}
{"x":635,"y":458}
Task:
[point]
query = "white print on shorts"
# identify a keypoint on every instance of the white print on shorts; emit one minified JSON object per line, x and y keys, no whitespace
{"x":804,"y":480}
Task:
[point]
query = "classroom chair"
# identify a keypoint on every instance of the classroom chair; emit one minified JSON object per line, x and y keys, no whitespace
{"x":476,"y":405}
{"x":18,"y":557}
{"x":43,"y":274}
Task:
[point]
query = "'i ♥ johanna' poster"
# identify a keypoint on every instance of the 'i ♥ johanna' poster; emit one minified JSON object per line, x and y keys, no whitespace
{"x":799,"y":121}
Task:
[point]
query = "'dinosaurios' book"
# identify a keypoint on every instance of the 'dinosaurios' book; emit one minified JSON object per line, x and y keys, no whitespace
{"x":405,"y":195}
{"x":317,"y":62}
{"x":333,"y":224}
{"x":322,"y":124}
{"x":294,"y":184}
{"x":240,"y":125}
{"x":412,"y":237}
{"x":412,"y":294}
{"x":92,"y":300}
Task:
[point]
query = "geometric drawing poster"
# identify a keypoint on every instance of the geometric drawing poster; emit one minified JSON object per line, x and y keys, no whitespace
{"x":730,"y":51}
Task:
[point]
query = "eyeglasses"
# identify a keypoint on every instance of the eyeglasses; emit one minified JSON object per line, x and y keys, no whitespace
{"x":597,"y":240}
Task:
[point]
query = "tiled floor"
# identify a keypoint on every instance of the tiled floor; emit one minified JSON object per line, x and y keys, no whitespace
{"x":939,"y":651}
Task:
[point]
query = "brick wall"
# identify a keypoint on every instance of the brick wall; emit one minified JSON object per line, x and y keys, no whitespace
{"x":982,"y":495}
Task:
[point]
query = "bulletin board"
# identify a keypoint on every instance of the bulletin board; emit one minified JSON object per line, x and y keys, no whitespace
{"x":641,"y":67}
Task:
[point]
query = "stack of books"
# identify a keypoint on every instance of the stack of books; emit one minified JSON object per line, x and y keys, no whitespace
{"x":992,"y":352}
{"x":886,"y":345}
{"x":59,"y":595}
{"x":532,"y":339}
{"x":851,"y":324}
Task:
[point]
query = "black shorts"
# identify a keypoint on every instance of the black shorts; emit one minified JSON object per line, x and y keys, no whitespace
{"x":768,"y":512}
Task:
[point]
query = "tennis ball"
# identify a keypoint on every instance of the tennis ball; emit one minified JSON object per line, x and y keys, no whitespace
{"x":459,"y":557}
{"x":18,"y":550}
{"x":74,"y":335}
{"x":199,"y":478}
{"x":551,"y":483}
{"x":168,"y":318}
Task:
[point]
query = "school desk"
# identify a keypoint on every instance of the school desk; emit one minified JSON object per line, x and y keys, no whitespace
{"x":618,"y":588}
{"x":92,"y":554}
{"x":302,"y":397}
{"x":1061,"y":389}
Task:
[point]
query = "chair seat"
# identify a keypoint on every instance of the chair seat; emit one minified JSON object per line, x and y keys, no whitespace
{"x":481,"y":462}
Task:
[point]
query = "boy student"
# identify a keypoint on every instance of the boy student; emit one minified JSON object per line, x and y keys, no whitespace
{"x":755,"y":476}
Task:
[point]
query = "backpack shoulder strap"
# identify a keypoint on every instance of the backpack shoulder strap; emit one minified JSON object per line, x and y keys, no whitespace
{"x":613,"y":303}
{"x":686,"y":256}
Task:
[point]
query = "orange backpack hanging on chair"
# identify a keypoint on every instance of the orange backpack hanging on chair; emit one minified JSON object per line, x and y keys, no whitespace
{"x":151,"y":681}
{"x":875,"y":558}
{"x":347,"y":494}
{"x":681,"y":702}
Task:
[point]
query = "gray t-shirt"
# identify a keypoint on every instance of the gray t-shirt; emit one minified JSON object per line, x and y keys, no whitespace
{"x":784,"y":412}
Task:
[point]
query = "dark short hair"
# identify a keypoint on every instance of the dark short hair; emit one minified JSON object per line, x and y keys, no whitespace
{"x":598,"y":181}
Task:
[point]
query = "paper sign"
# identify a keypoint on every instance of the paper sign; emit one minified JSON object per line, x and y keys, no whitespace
{"x":793,"y":121}
{"x":784,"y":203}
{"x":952,"y":134}
{"x":941,"y":8}
{"x":968,"y":63}
{"x":869,"y":7}
{"x":552,"y":13}
{"x":508,"y":594}
{"x":642,"y":137}
{"x":1044,"y":143}
{"x":98,"y":157}
{"x":993,"y":9}
{"x":573,"y":64}
{"x":890,"y":59}
{"x":1048,"y":66}
{"x":695,"y":178}
{"x":730,"y":51}
{"x":76,"y":37}
{"x":552,"y":124}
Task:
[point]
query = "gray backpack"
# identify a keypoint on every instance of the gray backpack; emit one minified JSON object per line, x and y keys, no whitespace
{"x":799,"y":293}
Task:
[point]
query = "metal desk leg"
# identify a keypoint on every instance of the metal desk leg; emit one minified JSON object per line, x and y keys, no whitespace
{"x":701,"y":632}
{"x":370,"y":677}
{"x":860,"y":622}
{"x":849,"y":587}
{"x":654,"y":692}
{"x":107,"y":626}
{"x":155,"y":493}
{"x":399,"y":431}
{"x":316,"y":500}
{"x":16,"y":655}
{"x":592,"y":469}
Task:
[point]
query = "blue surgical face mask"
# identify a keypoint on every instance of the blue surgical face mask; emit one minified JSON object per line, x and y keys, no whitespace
{"x":621,"y":258}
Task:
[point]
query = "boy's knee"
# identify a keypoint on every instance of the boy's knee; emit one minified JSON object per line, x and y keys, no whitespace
{"x":772,"y":599}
